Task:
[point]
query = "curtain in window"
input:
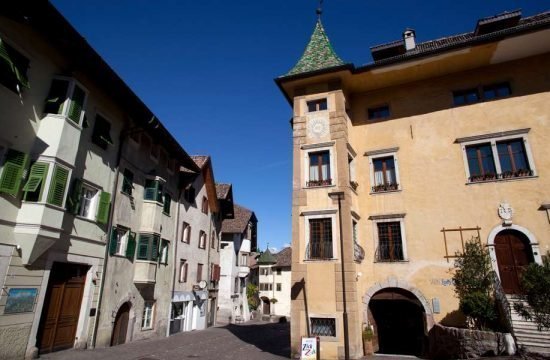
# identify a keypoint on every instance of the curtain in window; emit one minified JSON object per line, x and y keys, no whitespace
{"x":325,"y":170}
{"x":313,"y":167}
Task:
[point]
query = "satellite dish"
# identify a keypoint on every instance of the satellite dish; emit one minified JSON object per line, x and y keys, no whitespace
{"x":202,"y":284}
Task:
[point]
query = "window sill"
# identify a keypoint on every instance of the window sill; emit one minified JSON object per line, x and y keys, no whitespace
{"x":392,"y":262}
{"x":318,"y":187}
{"x":147,"y":329}
{"x":502,"y":180}
{"x":152,"y":262}
{"x":321,"y":260}
{"x":66,"y":118}
{"x":121,"y":256}
{"x":385,"y":192}
{"x":48,"y":205}
{"x":153,"y":202}
{"x":130,"y":196}
{"x":83,"y":218}
{"x":165,"y":213}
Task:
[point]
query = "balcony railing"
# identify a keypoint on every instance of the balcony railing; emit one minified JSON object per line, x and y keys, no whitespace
{"x":319,"y":250}
{"x":504,"y":175}
{"x":390,"y":253}
{"x":385,"y":187}
{"x":314,"y":183}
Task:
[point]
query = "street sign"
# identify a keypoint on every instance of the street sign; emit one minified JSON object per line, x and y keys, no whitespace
{"x":309,"y":349}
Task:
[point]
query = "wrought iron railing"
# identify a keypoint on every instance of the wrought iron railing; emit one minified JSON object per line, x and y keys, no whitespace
{"x":503,"y":175}
{"x":358,"y":252}
{"x":319,"y":250}
{"x":389,"y":253}
{"x":502,"y":303}
{"x":313,"y":183}
{"x":385,"y":187}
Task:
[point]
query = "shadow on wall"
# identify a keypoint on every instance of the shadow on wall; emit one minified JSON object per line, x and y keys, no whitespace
{"x":270,"y":338}
{"x":454,"y":319}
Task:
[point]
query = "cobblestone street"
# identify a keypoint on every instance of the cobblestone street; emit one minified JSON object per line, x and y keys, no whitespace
{"x":255,"y":340}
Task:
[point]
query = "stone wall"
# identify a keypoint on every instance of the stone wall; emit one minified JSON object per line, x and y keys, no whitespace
{"x":455,"y":343}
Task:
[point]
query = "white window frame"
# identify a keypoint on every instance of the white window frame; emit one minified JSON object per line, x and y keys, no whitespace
{"x":122,"y":241}
{"x":70,"y":90}
{"x":202,"y":240}
{"x":147,"y":321}
{"x":401,"y":219}
{"x":186,"y":233}
{"x":94,"y":202}
{"x":317,"y":98}
{"x":244,"y":257}
{"x":493,"y":139}
{"x":183,"y":271}
{"x":383,"y":154}
{"x":332,"y":216}
{"x":332,"y":164}
{"x":163,"y":256}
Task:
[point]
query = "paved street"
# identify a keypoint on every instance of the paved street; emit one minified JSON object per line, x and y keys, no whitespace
{"x":254,"y":340}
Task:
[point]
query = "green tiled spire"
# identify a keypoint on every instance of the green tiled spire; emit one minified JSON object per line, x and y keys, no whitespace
{"x":318,"y":55}
{"x":266,"y":258}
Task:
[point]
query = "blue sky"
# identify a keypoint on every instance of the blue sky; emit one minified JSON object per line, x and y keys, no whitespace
{"x":206,"y":69}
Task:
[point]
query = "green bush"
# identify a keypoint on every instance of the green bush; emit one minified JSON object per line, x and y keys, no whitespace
{"x":535,"y":284}
{"x":252,"y":296}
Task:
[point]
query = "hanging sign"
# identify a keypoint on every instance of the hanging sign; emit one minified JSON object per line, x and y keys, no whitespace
{"x":309,"y":349}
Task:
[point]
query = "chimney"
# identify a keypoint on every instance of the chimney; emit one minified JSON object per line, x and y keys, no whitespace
{"x":409,"y":38}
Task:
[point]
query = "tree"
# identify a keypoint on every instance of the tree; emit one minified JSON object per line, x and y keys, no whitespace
{"x":473,"y":280}
{"x":535,"y":284}
{"x":252,"y":296}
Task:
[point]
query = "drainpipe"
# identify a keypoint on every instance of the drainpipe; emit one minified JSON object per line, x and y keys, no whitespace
{"x":176,"y":263}
{"x":122,"y":137}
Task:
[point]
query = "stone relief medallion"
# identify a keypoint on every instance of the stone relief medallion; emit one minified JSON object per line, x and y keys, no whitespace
{"x":505,"y":212}
{"x":317,"y":127}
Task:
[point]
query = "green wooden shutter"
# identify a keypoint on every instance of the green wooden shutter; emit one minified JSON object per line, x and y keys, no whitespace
{"x":143,"y":247}
{"x":12,"y":172}
{"x":57,"y":186}
{"x":56,"y":97}
{"x":37,"y":178}
{"x":159,"y":191}
{"x":131,"y":247}
{"x":167,"y":202}
{"x":103,"y":208}
{"x":77,"y":104}
{"x":155,"y":248}
{"x":73,"y":200}
{"x":127,"y":182}
{"x":113,"y":242}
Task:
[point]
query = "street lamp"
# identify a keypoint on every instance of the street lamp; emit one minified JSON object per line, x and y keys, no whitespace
{"x":339,"y":195}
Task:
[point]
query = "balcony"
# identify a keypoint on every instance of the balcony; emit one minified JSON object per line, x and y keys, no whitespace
{"x":145,"y":272}
{"x":151,"y":218}
{"x":506,"y":175}
{"x":317,"y":183}
{"x":243,"y":270}
{"x":61,"y":135}
{"x":385,"y":187}
{"x":391,"y":252}
{"x":322,"y":250}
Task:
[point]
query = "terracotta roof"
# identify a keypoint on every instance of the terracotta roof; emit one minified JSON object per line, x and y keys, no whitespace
{"x":222,"y":190}
{"x":266,"y":258}
{"x":318,"y":54}
{"x":200,"y":160}
{"x":284,"y":257}
{"x":238,"y":224}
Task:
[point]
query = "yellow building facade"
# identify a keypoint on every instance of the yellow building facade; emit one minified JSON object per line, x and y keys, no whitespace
{"x":432,"y":145}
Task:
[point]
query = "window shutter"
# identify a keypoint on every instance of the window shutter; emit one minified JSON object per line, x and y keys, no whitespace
{"x":113,"y":242}
{"x":57,"y":186}
{"x":73,"y":200}
{"x":155,"y":248}
{"x":167,"y":201}
{"x":56,"y":96}
{"x":12,"y":172}
{"x":16,"y":63}
{"x":131,"y":247}
{"x":143,"y":246}
{"x":37,"y":176}
{"x":77,"y":104}
{"x":103,"y":208}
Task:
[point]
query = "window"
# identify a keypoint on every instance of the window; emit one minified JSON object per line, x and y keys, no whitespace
{"x":380,"y":112}
{"x":66,"y":98}
{"x":56,"y":193}
{"x":319,"y":169}
{"x":496,"y":90}
{"x":147,"y":320}
{"x":385,"y":178}
{"x":88,"y":202}
{"x":127,"y":182}
{"x":213,"y":240}
{"x":102,"y":132}
{"x":463,"y":97}
{"x":202,"y":240}
{"x":351,"y":172}
{"x":153,"y":190}
{"x":320,"y":239}
{"x":165,"y":244}
{"x":244,"y":260}
{"x":183,"y":271}
{"x":482,"y":93}
{"x":148,"y":248}
{"x":278,"y":271}
{"x":36,"y":181}
{"x":166,"y":205}
{"x":323,"y":326}
{"x":189,"y":194}
{"x":186,"y":233}
{"x":279,"y":286}
{"x":498,"y":158}
{"x":15,"y":163}
{"x":123,"y":242}
{"x":216,"y":272}
{"x":199,"y":273}
{"x":317,"y":105}
{"x":13,"y":68}
{"x":204,"y":205}
{"x":390,"y":246}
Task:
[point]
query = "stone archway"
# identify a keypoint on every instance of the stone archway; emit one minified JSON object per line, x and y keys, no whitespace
{"x":398,"y":311}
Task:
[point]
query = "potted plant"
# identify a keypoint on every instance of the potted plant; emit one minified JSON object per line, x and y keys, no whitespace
{"x":368,"y":334}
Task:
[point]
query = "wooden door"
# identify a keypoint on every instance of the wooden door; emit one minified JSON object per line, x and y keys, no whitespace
{"x":61,"y":307}
{"x":513,"y":254}
{"x":121,"y":325}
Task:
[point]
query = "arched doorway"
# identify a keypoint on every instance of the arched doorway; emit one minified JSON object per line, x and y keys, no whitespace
{"x":399,"y":319}
{"x":121,"y":325}
{"x":513,"y":252}
{"x":266,"y":306}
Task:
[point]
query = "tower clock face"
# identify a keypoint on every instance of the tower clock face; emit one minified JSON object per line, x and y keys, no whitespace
{"x":317,"y":127}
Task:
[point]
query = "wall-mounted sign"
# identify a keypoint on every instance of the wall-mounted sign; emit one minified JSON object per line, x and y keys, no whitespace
{"x":20,"y":300}
{"x":309,"y":349}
